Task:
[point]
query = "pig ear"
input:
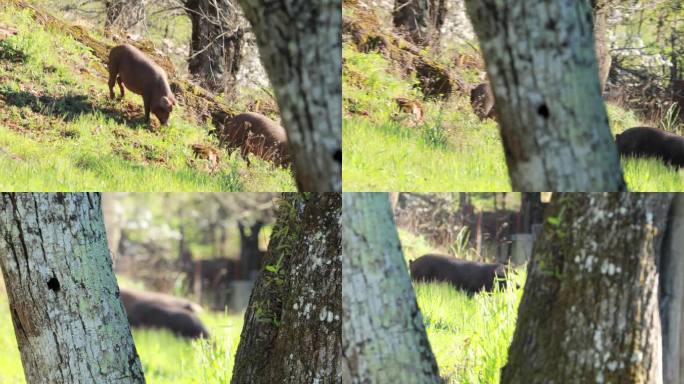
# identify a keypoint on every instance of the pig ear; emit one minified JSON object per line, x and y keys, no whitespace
{"x":166,"y":102}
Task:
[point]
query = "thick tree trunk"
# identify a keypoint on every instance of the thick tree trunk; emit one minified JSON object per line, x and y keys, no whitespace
{"x":300,"y":48}
{"x":383,"y":336}
{"x":541,"y":62}
{"x":69,"y":321}
{"x":590,"y":308}
{"x":124,"y":14}
{"x":292,"y":325}
{"x":672,"y":293}
{"x":215,"y":48}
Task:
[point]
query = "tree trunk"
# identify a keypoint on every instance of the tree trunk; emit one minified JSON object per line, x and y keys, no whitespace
{"x":124,"y":14}
{"x":215,"y":48}
{"x":531,"y":211}
{"x":672,"y":293}
{"x":421,"y":20}
{"x":412,"y":18}
{"x":292,"y":325}
{"x":68,"y":319}
{"x":603,"y":56}
{"x":383,"y":336}
{"x":111,"y":211}
{"x":541,"y":62}
{"x":300,"y":48}
{"x":438,"y":13}
{"x":589,"y":312}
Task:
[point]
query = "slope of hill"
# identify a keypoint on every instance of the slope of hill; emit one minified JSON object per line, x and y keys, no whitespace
{"x":447,"y":148}
{"x":60,"y":131}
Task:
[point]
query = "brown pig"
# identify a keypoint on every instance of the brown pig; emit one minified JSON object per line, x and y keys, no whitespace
{"x":130,"y":67}
{"x":482,"y":101}
{"x":257,"y":134}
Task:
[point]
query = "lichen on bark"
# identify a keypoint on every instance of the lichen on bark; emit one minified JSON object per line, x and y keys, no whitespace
{"x":293,"y":321}
{"x":69,"y":322}
{"x":590,"y":308}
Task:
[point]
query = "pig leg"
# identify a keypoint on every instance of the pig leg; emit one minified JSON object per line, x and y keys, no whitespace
{"x":121,"y":87}
{"x":113,"y":73}
{"x":146,"y":101}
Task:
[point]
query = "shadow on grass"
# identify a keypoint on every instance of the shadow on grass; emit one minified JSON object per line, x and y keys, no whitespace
{"x":68,"y":107}
{"x":10,"y":53}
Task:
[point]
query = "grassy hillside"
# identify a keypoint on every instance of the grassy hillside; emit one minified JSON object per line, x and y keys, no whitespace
{"x":469,"y":336}
{"x":450,"y":149}
{"x":60,"y":131}
{"x":166,"y":359}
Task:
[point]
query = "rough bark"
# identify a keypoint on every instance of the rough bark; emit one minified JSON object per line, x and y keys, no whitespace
{"x":541,"y":62}
{"x":672,"y":293}
{"x":215,"y":47}
{"x":292,"y":325}
{"x":589,"y":312}
{"x":124,"y":14}
{"x":383,"y":336}
{"x":300,"y":48}
{"x":68,"y":319}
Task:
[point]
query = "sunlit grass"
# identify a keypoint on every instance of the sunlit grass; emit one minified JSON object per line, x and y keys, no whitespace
{"x":166,"y":358}
{"x":450,"y":149}
{"x":59,"y":131}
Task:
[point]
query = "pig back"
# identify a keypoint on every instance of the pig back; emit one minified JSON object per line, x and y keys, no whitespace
{"x":257,"y":134}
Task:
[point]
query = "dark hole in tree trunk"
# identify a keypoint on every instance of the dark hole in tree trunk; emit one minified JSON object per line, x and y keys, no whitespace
{"x":543,"y":110}
{"x":53,"y":284}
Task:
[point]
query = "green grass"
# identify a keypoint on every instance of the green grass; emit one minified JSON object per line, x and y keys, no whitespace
{"x":60,"y":131}
{"x":451,"y":149}
{"x":469,"y":336}
{"x":166,"y":359}
{"x":384,"y":151}
{"x":645,"y":175}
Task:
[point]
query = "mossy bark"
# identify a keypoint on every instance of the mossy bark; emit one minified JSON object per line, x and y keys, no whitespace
{"x":293,"y":321}
{"x":542,"y":65}
{"x":69,"y":321}
{"x":589,"y":312}
{"x":383,"y":336}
